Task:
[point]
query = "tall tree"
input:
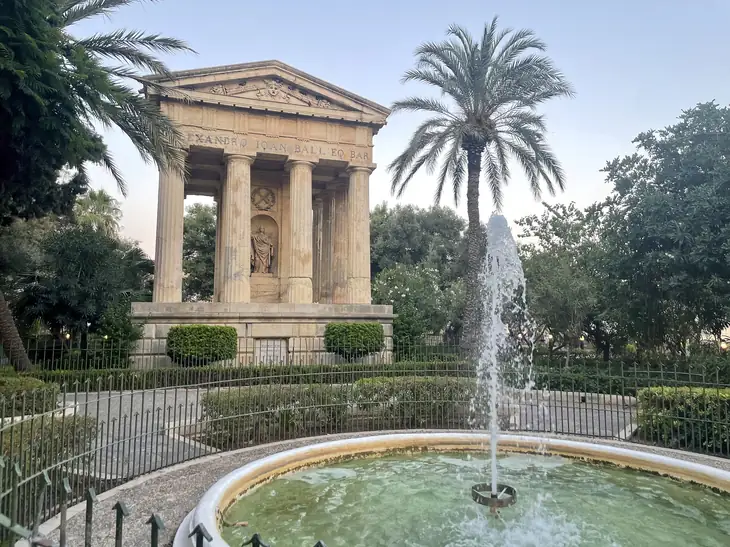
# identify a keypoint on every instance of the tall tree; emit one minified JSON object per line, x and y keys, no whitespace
{"x":99,"y":211}
{"x":487,"y":114}
{"x":199,"y":252}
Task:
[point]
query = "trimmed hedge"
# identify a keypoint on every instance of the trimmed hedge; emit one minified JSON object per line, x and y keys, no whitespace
{"x":686,"y":417}
{"x":415,"y":402}
{"x":40,"y":443}
{"x":354,"y":340}
{"x":199,"y":345}
{"x":331,"y":373}
{"x":240,"y":417}
{"x":23,"y":395}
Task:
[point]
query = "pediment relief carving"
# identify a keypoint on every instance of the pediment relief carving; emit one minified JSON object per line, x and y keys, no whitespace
{"x":271,"y":89}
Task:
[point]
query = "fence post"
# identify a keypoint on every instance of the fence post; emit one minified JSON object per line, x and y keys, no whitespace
{"x":65,"y":496}
{"x":90,"y":500}
{"x":201,"y":534}
{"x":45,"y":483}
{"x":157,"y":526}
{"x":122,"y":512}
{"x":256,"y":541}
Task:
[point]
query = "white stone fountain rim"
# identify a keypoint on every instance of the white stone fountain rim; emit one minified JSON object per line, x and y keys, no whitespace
{"x":258,"y":471}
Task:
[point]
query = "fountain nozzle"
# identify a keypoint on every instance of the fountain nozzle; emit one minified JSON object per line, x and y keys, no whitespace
{"x":504,"y":497}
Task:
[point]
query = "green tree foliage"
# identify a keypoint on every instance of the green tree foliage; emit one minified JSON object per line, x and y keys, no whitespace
{"x":199,"y":252}
{"x":666,"y":231}
{"x":409,"y":235}
{"x":98,"y":210}
{"x":557,"y":252}
{"x":490,"y":89}
{"x":81,"y":275}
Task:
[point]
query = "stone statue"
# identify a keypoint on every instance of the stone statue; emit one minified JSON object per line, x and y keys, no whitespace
{"x":262,"y":251}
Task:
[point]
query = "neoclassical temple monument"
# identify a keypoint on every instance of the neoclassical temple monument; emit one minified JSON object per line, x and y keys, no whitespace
{"x":287,"y":158}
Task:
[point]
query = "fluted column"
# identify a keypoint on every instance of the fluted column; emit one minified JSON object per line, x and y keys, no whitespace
{"x":358,"y":213}
{"x":300,"y":238}
{"x":169,"y":240}
{"x":236,"y":232}
{"x":325,"y":256}
{"x":316,"y":248}
{"x":217,"y":266}
{"x":340,"y":241}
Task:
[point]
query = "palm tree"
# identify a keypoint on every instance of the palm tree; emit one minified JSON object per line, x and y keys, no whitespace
{"x":98,"y":69}
{"x":100,"y":211}
{"x":103,"y":90}
{"x":486,"y":116}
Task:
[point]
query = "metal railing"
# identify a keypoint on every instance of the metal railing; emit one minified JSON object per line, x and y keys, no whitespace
{"x":97,"y":428}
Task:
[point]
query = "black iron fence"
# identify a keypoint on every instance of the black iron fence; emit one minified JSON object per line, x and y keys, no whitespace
{"x":70,"y":432}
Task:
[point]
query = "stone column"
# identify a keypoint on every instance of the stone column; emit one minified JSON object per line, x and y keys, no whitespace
{"x":169,"y":241}
{"x":218,"y":251}
{"x":325,"y":257}
{"x":236,"y":230}
{"x":317,"y":206}
{"x":358,"y":216}
{"x":300,"y":237}
{"x":340,"y":241}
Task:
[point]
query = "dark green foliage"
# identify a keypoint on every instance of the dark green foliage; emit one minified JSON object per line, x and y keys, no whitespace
{"x":42,"y":127}
{"x":354,"y":340}
{"x":82,"y":282}
{"x":199,"y":252}
{"x":46,"y":441}
{"x":684,"y":417}
{"x":197,"y":345}
{"x":23,"y":395}
{"x":416,"y":402}
{"x":253,"y":415}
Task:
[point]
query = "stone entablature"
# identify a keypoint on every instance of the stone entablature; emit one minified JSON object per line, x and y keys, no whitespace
{"x":287,"y":158}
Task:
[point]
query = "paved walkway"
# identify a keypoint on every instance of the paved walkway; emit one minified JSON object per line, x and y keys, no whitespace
{"x":175,"y":492}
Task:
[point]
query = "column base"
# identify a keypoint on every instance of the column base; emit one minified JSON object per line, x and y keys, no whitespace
{"x":358,"y":290}
{"x":300,"y":290}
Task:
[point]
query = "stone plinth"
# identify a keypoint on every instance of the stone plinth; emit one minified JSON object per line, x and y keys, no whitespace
{"x":268,"y":333}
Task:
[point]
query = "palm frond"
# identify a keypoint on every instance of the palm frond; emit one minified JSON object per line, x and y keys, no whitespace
{"x":74,"y":11}
{"x":418,"y":104}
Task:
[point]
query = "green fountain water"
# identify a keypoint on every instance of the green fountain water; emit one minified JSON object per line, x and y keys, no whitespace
{"x":423,"y":501}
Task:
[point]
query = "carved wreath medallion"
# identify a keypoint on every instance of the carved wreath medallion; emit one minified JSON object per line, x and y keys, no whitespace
{"x":263,"y":199}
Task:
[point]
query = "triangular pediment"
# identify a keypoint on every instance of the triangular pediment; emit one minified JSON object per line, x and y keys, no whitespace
{"x":272,"y":85}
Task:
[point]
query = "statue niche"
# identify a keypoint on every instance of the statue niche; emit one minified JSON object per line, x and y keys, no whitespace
{"x":264,"y":243}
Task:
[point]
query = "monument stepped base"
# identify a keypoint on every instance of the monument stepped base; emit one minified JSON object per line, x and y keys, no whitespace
{"x":267,"y":332}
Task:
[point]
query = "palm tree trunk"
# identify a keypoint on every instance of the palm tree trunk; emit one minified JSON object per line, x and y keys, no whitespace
{"x":475,"y":243}
{"x":10,"y":338}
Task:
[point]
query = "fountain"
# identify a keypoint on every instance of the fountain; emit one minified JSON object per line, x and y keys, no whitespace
{"x":505,"y":328}
{"x":346,"y":491}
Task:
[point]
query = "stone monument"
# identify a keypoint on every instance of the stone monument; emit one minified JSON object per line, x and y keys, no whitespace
{"x":287,"y":158}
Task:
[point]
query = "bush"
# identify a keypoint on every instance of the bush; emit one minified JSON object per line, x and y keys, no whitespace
{"x":43,"y":442}
{"x":260,"y":414}
{"x":686,"y":417}
{"x":354,"y":340}
{"x":23,"y":395}
{"x":98,"y":353}
{"x":197,"y":345}
{"x":416,"y":402}
{"x":329,"y":373}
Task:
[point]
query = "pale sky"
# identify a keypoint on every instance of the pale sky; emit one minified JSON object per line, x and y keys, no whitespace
{"x":635,"y":65}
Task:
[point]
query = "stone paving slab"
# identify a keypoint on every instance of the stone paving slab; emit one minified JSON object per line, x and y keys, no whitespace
{"x":173,"y":493}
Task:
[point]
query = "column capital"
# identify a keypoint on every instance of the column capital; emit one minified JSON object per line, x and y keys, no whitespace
{"x":359,"y":169}
{"x":240,"y":157}
{"x":293,"y":163}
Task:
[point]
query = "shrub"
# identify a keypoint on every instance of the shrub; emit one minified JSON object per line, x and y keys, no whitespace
{"x":328,"y":373}
{"x":196,"y":345}
{"x":434,"y":402}
{"x":259,"y":414}
{"x":43,"y":442}
{"x":354,"y":340}
{"x":23,"y":395}
{"x":686,"y":417}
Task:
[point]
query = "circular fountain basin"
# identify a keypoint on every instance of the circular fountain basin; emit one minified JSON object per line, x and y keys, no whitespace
{"x":230,"y":489}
